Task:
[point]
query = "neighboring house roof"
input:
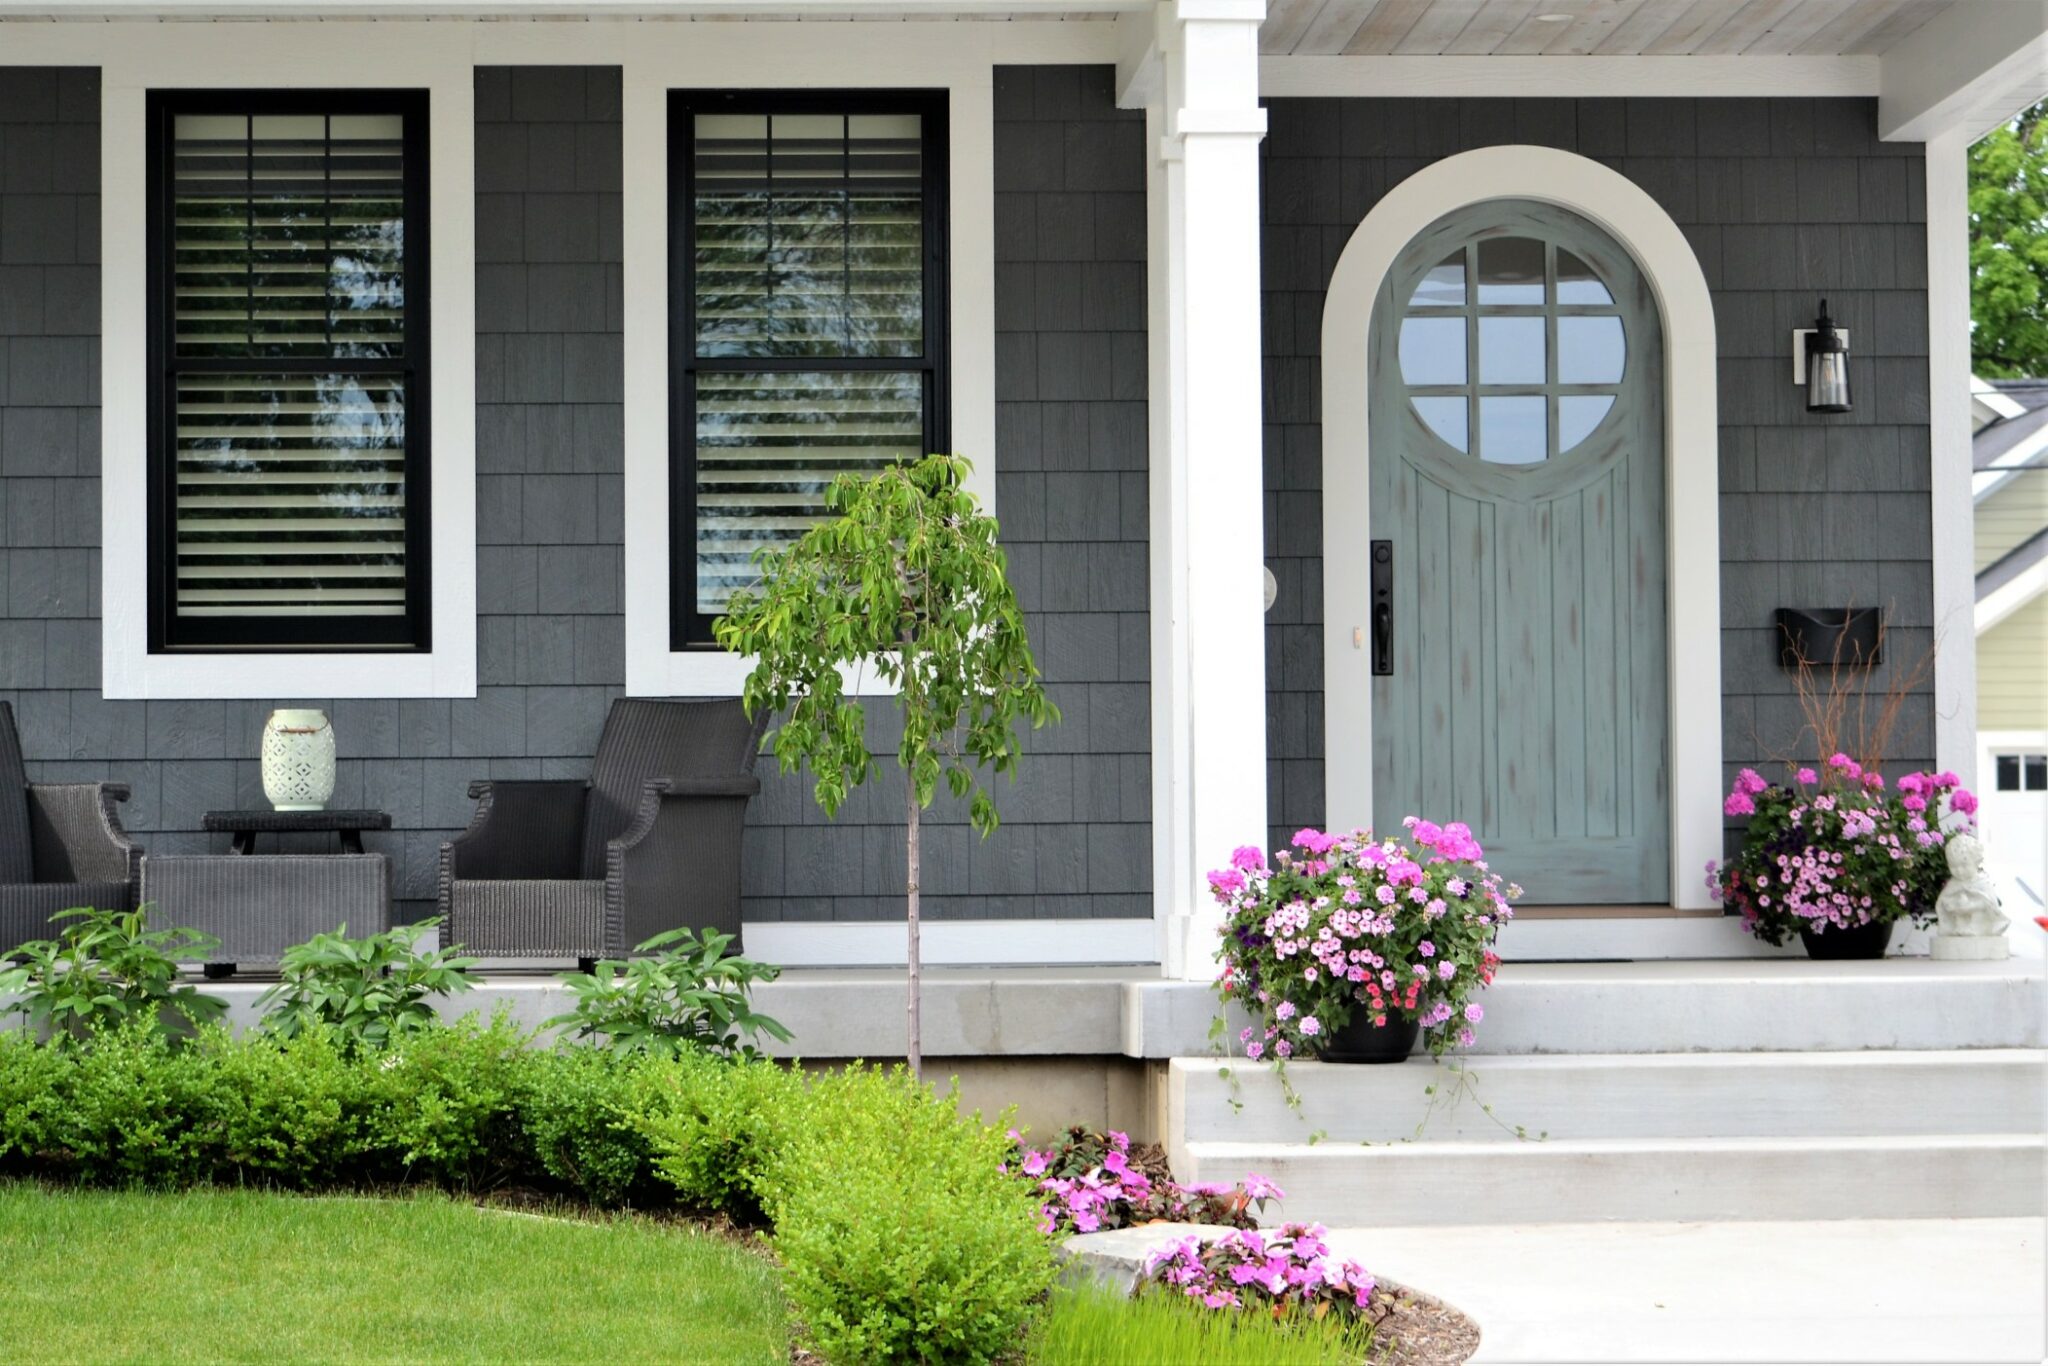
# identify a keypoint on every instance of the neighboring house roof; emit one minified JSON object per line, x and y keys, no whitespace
{"x":2011,"y":441}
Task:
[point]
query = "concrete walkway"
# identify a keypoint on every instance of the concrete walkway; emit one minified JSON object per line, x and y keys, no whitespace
{"x":1919,"y":1290}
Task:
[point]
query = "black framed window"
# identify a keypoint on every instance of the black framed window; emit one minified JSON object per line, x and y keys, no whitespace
{"x":2022,"y":773}
{"x":288,"y":382}
{"x":808,"y":316}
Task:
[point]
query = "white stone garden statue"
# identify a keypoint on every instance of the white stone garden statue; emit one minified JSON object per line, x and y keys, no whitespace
{"x":1971,"y":925}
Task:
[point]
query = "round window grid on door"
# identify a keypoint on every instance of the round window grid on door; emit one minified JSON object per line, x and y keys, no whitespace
{"x":1512,"y":350}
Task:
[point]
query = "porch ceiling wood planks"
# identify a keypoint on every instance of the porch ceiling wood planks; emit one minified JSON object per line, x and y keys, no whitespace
{"x":1609,"y":28}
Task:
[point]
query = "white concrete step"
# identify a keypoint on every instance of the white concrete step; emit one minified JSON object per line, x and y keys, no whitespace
{"x":1582,"y":1180}
{"x":1724,"y":1006}
{"x":1617,"y":1096}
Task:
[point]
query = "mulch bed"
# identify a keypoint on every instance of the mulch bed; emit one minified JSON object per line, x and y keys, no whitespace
{"x":1419,"y":1329}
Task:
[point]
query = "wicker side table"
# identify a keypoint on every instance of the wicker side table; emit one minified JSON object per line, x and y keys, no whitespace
{"x":246,"y":825}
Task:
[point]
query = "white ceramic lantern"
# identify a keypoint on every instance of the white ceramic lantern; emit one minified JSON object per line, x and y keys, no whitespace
{"x":298,"y":760}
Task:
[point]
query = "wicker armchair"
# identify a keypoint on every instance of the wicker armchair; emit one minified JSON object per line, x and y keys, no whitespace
{"x":61,"y":846}
{"x":586,"y":870}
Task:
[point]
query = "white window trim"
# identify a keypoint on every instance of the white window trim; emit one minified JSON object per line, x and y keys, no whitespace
{"x":136,"y":60}
{"x":1692,"y":481}
{"x":800,"y":57}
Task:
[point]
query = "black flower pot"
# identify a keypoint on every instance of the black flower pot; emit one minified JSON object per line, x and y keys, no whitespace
{"x":1363,"y":1041}
{"x":1868,"y":940}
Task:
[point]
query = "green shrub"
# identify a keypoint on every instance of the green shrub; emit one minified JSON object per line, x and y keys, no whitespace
{"x":372,"y":990}
{"x":439,"y":1104}
{"x":135,"y":1110}
{"x":287,"y":1112}
{"x":712,"y":1124}
{"x":684,"y":994}
{"x":104,"y":970}
{"x":31,"y":1096}
{"x":901,"y":1236}
{"x":575,"y":1109}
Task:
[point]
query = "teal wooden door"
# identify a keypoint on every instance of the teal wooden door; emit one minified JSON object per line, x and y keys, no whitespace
{"x":1517,"y":476}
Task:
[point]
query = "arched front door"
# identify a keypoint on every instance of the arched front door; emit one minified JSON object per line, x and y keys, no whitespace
{"x":1517,"y":520}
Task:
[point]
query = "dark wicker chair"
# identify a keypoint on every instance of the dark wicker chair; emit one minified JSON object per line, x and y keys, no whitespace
{"x":588,"y":870}
{"x":61,"y":846}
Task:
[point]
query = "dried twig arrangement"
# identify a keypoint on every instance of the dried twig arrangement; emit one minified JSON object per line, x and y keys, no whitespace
{"x":1836,"y":701}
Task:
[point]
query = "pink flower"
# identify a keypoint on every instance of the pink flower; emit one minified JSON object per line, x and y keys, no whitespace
{"x":1947,"y":778}
{"x":1914,"y":803}
{"x":1808,"y":776}
{"x":1284,"y":1011}
{"x":1248,"y":858}
{"x":1310,"y":1025}
{"x":1226,"y":883}
{"x":1426,"y":949}
{"x":1738,"y":804}
{"x":1313,"y":840}
{"x":1874,"y":780}
{"x":1427,"y":833}
{"x":1255,"y":1050}
{"x":1446,"y":970}
{"x":1750,"y":781}
{"x":1475,"y":1012}
{"x":1963,"y":800}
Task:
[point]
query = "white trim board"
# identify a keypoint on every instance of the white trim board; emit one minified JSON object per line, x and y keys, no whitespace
{"x":952,"y":943}
{"x":1692,"y":483}
{"x":1951,"y":500}
{"x":135,"y":60}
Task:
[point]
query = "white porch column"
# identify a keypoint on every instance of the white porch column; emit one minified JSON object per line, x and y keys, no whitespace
{"x":1208,"y":597}
{"x":1948,"y":406}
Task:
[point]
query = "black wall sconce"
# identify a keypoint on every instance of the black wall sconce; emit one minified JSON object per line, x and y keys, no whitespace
{"x":1820,"y":361}
{"x":1830,"y":637}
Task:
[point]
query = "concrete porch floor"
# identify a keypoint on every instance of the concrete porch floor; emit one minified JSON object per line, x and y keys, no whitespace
{"x":1852,"y":1290}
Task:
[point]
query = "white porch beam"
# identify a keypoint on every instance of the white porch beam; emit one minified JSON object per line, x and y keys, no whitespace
{"x":1966,"y":71}
{"x":1536,"y":77}
{"x":1952,"y":507}
{"x":1208,"y":600}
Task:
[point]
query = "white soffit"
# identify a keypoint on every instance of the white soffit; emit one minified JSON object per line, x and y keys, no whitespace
{"x":1580,"y":28}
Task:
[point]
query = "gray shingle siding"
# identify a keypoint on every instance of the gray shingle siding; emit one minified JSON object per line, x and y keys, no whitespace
{"x":1071,"y":455}
{"x":1783,"y":200}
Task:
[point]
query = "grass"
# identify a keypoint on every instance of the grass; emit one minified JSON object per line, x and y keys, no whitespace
{"x":242,"y":1275}
{"x":1097,"y":1326}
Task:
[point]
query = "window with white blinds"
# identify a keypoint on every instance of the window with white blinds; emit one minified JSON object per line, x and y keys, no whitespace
{"x":288,"y":260}
{"x":809,"y":270}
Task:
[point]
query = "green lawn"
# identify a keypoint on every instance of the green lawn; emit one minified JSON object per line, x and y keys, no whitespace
{"x":226,"y":1275}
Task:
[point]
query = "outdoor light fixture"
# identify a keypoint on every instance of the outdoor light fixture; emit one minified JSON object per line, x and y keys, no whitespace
{"x":1820,"y":361}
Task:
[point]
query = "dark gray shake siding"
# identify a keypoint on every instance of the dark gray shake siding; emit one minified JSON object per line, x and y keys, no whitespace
{"x":1783,"y":201}
{"x":1076,"y":834}
{"x":1075,"y":840}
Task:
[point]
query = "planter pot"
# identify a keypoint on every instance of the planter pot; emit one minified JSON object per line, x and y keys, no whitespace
{"x":1363,"y":1041}
{"x":1855,"y":941}
{"x":298,"y":760}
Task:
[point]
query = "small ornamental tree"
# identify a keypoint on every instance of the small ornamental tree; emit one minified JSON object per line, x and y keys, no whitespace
{"x":906,"y":580}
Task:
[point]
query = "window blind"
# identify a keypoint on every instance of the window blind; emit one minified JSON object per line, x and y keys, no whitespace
{"x":809,"y":283}
{"x":289,"y":377}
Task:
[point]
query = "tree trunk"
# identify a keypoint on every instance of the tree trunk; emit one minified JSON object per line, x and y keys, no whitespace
{"x":910,"y":848}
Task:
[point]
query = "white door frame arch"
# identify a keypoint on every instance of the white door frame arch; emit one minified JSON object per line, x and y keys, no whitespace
{"x":1692,"y":484}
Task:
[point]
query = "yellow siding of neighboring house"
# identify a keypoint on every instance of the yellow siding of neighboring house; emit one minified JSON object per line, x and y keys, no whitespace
{"x":2012,"y":671}
{"x":2017,"y":510}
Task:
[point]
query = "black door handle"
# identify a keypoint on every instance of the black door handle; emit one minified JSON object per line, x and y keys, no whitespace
{"x":1382,"y":608}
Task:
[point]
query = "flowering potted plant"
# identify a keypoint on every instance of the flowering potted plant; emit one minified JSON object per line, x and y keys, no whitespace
{"x":1837,"y":856}
{"x":1347,"y":946}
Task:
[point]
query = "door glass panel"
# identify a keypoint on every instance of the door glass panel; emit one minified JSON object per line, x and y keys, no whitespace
{"x":1433,"y":350}
{"x":1446,"y":417}
{"x":2037,"y":773}
{"x":1590,"y":350}
{"x":2008,"y":773}
{"x":1577,"y":284}
{"x":1577,"y":416}
{"x":1511,"y":351}
{"x":1512,"y":430}
{"x":1443,"y":286}
{"x":1511,"y":271}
